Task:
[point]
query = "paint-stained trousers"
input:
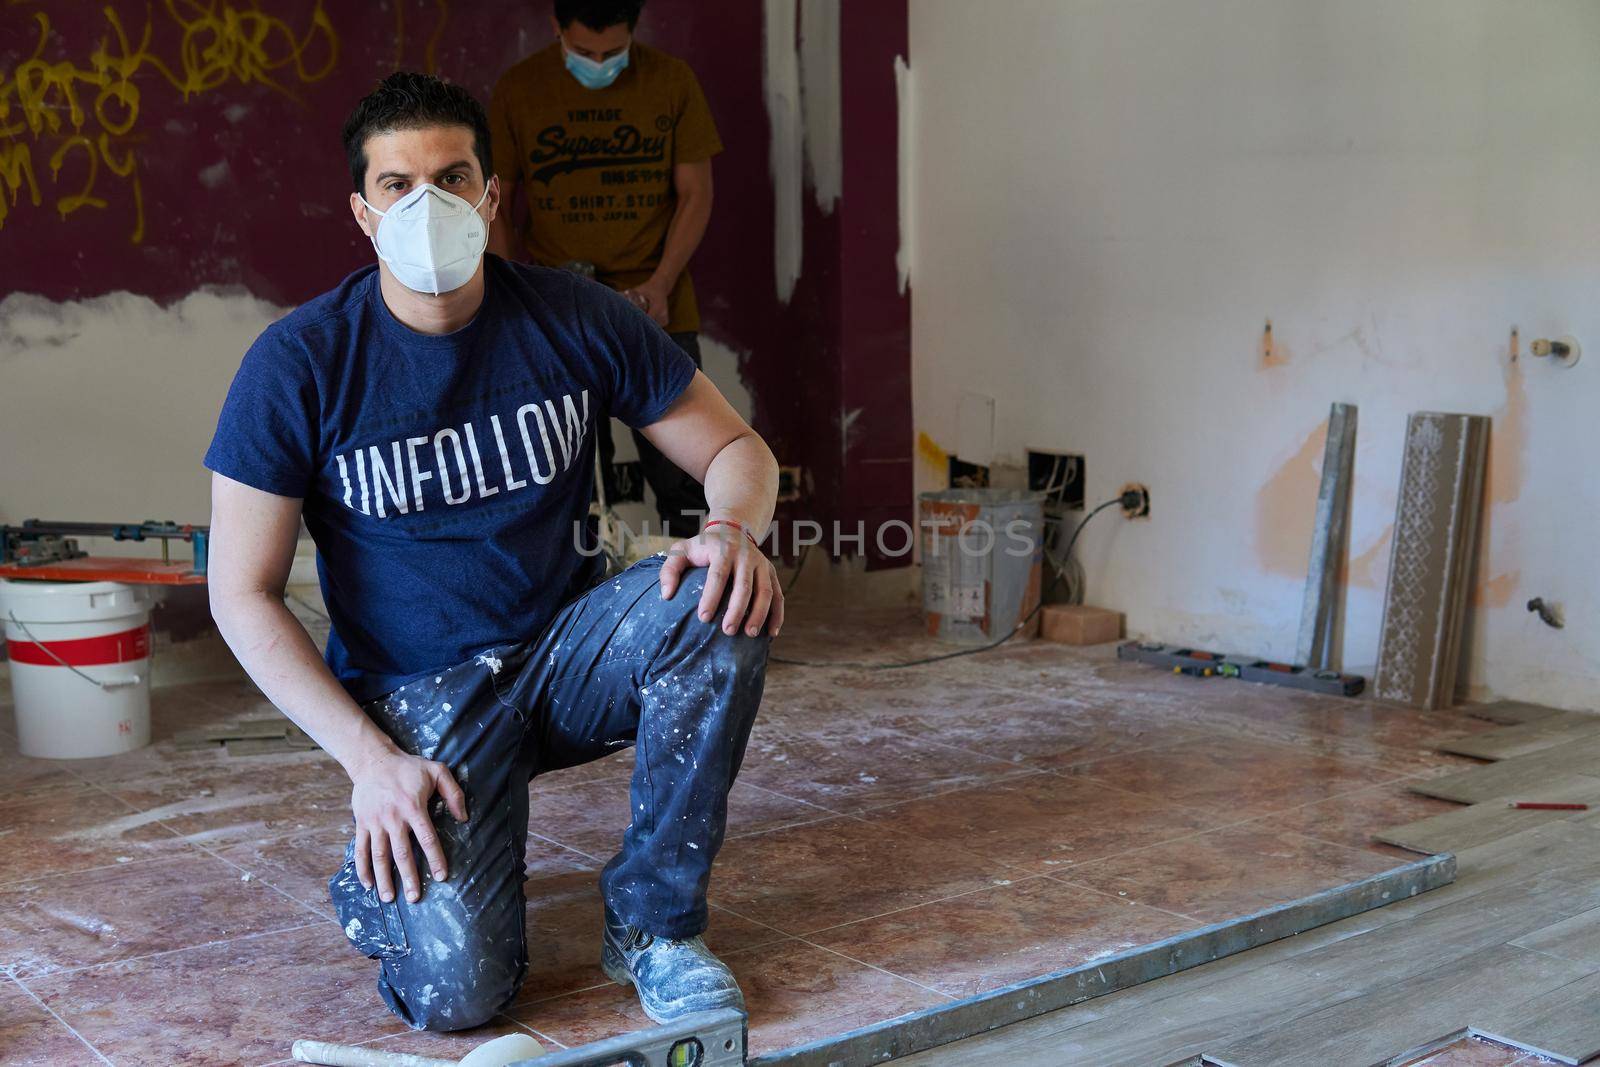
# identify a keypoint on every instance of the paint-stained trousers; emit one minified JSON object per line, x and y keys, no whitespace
{"x":617,"y":666}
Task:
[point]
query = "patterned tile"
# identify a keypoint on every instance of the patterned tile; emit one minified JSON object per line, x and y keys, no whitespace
{"x":1230,"y":775}
{"x":115,"y":913}
{"x":31,"y":1037}
{"x":235,"y":1002}
{"x":824,"y":874}
{"x":57,"y":834}
{"x":1352,"y":819}
{"x":1005,"y":934}
{"x":1044,"y":822}
{"x":1223,"y":874}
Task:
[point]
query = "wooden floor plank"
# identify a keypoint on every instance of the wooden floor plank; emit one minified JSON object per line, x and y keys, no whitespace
{"x":1512,"y":776}
{"x":1562,"y":1023}
{"x":1574,"y":938}
{"x":1477,"y":824}
{"x":1511,"y":712}
{"x":1524,"y":738}
{"x":1506,"y":889}
{"x":1392,"y":1018}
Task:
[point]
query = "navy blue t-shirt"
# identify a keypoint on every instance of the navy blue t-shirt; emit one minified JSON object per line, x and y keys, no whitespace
{"x":445,"y":479}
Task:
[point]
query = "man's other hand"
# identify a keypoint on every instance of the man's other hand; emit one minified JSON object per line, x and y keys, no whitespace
{"x":755,"y":596}
{"x":654,"y":299}
{"x":390,"y":803}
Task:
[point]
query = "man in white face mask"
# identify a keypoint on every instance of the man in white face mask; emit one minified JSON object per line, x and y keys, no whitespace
{"x":432,"y":421}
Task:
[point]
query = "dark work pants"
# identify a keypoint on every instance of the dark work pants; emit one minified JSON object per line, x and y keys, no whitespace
{"x":617,"y":666}
{"x":680,"y":500}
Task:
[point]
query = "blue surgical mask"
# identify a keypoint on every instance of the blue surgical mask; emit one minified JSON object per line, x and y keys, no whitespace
{"x":596,"y":75}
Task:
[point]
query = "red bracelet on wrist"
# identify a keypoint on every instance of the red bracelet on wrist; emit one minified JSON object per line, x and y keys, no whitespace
{"x":736,"y":525}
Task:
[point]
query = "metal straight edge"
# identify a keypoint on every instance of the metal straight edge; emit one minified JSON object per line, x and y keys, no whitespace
{"x":1327,"y":538}
{"x":979,"y":1014}
{"x":719,"y":1035}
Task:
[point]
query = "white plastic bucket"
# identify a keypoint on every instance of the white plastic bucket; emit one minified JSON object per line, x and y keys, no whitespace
{"x":80,"y":666}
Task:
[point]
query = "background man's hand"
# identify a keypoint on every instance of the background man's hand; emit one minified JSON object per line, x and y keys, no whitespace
{"x":756,"y":596}
{"x":652,"y":297}
{"x":390,"y":802}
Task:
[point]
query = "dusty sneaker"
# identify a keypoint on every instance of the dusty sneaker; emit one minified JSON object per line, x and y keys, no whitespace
{"x":672,"y":978}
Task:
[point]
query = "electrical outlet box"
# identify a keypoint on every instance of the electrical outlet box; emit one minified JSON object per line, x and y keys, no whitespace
{"x":1142,"y":509}
{"x":964,"y":475}
{"x":1058,"y":475}
{"x":788,"y":483}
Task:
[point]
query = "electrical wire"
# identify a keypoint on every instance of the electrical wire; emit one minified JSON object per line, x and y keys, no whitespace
{"x":1026,"y":619}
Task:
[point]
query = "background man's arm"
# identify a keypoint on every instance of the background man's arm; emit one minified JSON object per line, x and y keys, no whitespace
{"x":691,"y":186}
{"x":702,"y":434}
{"x":252,"y":544}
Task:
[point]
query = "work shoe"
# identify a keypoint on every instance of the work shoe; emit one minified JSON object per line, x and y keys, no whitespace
{"x":672,"y":978}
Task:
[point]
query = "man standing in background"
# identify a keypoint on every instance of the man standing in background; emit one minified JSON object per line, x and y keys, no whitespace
{"x":610,"y":143}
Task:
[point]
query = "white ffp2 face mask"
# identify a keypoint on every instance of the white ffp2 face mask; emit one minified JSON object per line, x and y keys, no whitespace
{"x":431,"y":239}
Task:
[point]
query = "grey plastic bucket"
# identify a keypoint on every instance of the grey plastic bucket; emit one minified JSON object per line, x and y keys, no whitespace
{"x":982,"y":563}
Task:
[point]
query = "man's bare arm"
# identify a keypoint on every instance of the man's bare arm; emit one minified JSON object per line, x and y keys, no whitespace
{"x":702,"y":434}
{"x":252,"y":546}
{"x":691,"y":186}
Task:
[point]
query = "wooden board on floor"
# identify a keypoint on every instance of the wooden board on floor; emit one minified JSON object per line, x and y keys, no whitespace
{"x":1376,"y":1025}
{"x":1477,"y":824}
{"x":1560,"y":1023}
{"x":1574,"y":938}
{"x":1516,"y":775}
{"x":1508,"y":742}
{"x":1511,"y":712}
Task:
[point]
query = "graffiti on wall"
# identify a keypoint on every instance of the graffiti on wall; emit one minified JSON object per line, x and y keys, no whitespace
{"x":69,"y":123}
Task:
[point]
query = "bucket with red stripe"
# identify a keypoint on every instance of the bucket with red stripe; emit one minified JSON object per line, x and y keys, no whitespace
{"x":80,"y":666}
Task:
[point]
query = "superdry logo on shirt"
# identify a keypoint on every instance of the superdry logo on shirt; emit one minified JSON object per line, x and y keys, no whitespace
{"x":558,"y":151}
{"x":476,"y":459}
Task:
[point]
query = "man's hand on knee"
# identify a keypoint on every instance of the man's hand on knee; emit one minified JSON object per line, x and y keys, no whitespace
{"x":733,"y":563}
{"x":390,"y":803}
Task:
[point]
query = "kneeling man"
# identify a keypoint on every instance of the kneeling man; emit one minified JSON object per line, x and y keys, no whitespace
{"x":432,"y":421}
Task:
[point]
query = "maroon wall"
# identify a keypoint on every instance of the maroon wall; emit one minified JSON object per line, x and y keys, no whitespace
{"x":156,"y":153}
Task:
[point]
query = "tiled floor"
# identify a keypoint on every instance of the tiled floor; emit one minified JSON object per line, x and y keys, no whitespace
{"x":896,"y":839}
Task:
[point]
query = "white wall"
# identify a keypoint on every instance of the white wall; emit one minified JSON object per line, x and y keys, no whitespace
{"x":107,"y":405}
{"x":1110,"y":200}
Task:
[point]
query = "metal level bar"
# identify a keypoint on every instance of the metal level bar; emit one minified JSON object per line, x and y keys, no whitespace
{"x":704,"y":1039}
{"x":1327,"y":539}
{"x":1244,"y":668}
{"x":117,"y":531}
{"x":40,"y":532}
{"x":1024,"y":1000}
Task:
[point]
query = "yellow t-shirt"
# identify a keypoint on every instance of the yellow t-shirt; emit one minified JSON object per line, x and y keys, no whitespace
{"x":596,"y":164}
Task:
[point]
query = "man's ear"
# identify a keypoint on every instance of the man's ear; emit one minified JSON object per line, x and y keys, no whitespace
{"x":493,"y":201}
{"x":359,"y":210}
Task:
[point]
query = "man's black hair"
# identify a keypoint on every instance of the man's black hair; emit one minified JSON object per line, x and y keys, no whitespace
{"x":598,"y":14}
{"x":407,"y":100}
